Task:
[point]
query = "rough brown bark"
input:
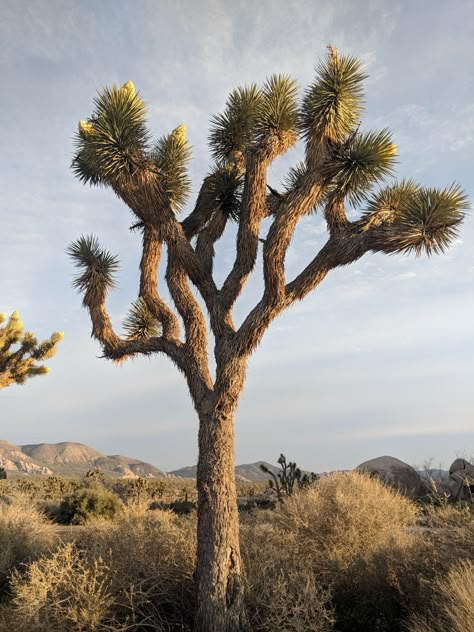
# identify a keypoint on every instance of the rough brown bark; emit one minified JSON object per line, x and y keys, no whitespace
{"x":219,"y":570}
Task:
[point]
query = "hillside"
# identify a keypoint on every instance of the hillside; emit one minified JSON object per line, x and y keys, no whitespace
{"x":248,"y":472}
{"x":14,"y":460}
{"x":70,"y":459}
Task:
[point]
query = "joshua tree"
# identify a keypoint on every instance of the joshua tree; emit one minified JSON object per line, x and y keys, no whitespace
{"x":18,"y":364}
{"x":341,"y":165}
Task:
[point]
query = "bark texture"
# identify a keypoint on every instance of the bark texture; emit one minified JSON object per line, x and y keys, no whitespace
{"x":219,"y":570}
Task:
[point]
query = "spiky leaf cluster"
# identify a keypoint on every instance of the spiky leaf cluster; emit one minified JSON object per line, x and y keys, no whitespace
{"x":171,"y":156}
{"x":234,"y":130}
{"x":418,"y":219}
{"x":140,"y":322}
{"x":226,"y":185}
{"x":20,"y":351}
{"x":278,"y":111}
{"x":96,"y":268}
{"x":357,"y":163}
{"x":332,"y":104}
{"x":112,"y":143}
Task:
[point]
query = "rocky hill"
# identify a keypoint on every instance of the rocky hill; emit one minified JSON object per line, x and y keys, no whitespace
{"x":246,"y":472}
{"x":70,"y":459}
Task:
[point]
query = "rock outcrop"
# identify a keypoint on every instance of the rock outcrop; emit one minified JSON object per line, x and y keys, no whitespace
{"x":393,"y":472}
{"x":461,"y":475}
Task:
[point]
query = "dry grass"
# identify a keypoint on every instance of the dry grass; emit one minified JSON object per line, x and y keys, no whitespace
{"x":62,"y":592}
{"x":151,"y":559}
{"x":283,"y":593}
{"x":453,"y":605}
{"x":346,"y":516}
{"x":135,"y":573}
{"x":25,"y":534}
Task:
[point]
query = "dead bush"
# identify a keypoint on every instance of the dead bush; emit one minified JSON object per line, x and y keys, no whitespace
{"x":62,"y":592}
{"x":25,"y":534}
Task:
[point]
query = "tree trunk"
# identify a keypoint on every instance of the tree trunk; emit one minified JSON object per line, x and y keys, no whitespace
{"x":220,"y":606}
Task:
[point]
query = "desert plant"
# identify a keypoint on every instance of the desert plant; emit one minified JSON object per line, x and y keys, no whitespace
{"x":346,"y":515}
{"x":25,"y":534}
{"x":62,"y":592}
{"x":20,"y":352}
{"x":151,"y":559}
{"x":347,"y":541}
{"x":283,"y":590}
{"x":341,"y":164}
{"x":89,"y":502}
{"x":289,"y":475}
{"x":3,"y":473}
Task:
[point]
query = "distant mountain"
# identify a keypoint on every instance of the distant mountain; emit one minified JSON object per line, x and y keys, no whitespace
{"x":15,"y":461}
{"x":70,"y":459}
{"x":247,"y":472}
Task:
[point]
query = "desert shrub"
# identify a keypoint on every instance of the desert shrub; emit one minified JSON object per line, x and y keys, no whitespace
{"x":346,"y":542}
{"x":346,"y":516}
{"x":283,"y":591}
{"x":452,"y":604}
{"x":87,"y":503}
{"x":62,"y":592}
{"x":151,"y":558}
{"x":25,"y":534}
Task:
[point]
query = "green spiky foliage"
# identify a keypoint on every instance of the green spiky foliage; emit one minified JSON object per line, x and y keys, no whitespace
{"x":226,"y":185}
{"x":140,"y":322}
{"x":233,"y":131}
{"x":278,"y":111}
{"x":362,"y":160}
{"x":96,"y":268}
{"x":332,"y":105}
{"x":21,"y":354}
{"x":417,"y":219}
{"x":113,"y":142}
{"x":171,"y":156}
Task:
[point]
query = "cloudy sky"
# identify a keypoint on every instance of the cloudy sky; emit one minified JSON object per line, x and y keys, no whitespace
{"x":379,"y":360}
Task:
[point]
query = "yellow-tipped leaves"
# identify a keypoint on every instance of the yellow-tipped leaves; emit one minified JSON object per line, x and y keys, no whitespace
{"x":129,"y":88}
{"x":85,"y":128}
{"x":171,"y":155}
{"x":114,"y":139}
{"x":179,"y":133}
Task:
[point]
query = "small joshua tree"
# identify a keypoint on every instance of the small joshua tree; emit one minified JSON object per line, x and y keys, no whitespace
{"x":20,"y":352}
{"x":341,"y":165}
{"x":284,"y":481}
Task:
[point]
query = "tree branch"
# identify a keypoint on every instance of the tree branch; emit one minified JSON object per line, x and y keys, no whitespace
{"x":254,"y":210}
{"x":202,"y":211}
{"x":293,"y":206}
{"x":208,"y":237}
{"x":193,"y":318}
{"x":149,"y":283}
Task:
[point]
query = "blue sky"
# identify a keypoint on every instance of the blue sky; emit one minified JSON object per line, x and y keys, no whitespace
{"x":379,"y":360}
